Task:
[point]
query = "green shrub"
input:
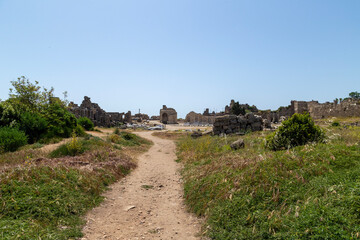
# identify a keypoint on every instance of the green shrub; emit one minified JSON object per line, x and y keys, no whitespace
{"x":80,"y":131}
{"x":335,"y":124}
{"x":11,"y":139}
{"x":33,"y":124}
{"x":61,"y":121}
{"x":74,"y":147}
{"x":298,"y":130}
{"x":86,"y":123}
{"x":9,"y":115}
{"x":117,"y":131}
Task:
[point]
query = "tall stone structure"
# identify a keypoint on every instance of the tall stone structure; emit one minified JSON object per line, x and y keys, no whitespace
{"x":97,"y":115}
{"x":168,"y":115}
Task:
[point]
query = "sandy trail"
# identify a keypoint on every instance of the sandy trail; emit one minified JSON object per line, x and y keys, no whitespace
{"x":147,"y":204}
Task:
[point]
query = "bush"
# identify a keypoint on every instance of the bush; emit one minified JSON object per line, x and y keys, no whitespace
{"x":61,"y":121}
{"x":11,"y":139}
{"x":74,"y":147}
{"x":86,"y":123}
{"x":335,"y":124}
{"x":80,"y":131}
{"x":298,"y":130}
{"x":33,"y":124}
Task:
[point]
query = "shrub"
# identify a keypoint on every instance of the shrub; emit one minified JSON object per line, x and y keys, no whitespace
{"x":298,"y":130}
{"x":11,"y":139}
{"x":80,"y":131}
{"x":61,"y":121}
{"x":86,"y":123}
{"x":33,"y":124}
{"x":74,"y":147}
{"x":117,"y":131}
{"x":335,"y":124}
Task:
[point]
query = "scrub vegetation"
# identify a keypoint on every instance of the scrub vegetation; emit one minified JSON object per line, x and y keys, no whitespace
{"x":44,"y":195}
{"x":311,"y":191}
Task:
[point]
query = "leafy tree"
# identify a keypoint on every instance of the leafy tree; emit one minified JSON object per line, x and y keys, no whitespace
{"x":354,"y":95}
{"x":237,"y":109}
{"x":9,"y":115}
{"x":28,"y":96}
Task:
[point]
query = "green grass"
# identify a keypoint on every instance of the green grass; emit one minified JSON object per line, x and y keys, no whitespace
{"x":45,"y":202}
{"x":308,"y":192}
{"x":83,"y":145}
{"x":48,"y":200}
{"x":123,"y":138}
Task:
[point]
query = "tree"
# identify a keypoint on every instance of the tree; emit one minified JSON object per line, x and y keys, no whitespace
{"x":354,"y":95}
{"x":237,"y":109}
{"x":28,"y":97}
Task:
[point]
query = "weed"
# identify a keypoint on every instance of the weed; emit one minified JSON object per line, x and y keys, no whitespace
{"x":307,"y":192}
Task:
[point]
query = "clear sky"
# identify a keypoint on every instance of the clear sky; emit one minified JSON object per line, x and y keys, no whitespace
{"x":187,"y":54}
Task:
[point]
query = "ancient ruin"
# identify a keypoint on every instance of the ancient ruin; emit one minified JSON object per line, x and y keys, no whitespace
{"x":205,"y":118}
{"x":168,"y":115}
{"x":229,"y":124}
{"x":345,"y":108}
{"x":97,"y":115}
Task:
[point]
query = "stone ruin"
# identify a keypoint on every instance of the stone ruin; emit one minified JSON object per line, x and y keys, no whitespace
{"x":168,"y":115}
{"x":97,"y":115}
{"x":209,"y":118}
{"x":205,"y":118}
{"x":346,"y":108}
{"x":229,"y":124}
{"x":139,"y":117}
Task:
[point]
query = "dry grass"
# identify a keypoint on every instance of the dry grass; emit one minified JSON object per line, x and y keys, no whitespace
{"x":170,"y":135}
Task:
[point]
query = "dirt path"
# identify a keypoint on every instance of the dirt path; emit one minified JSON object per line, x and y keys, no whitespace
{"x":147,"y":204}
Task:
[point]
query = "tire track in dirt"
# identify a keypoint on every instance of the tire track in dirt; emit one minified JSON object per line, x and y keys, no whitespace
{"x":147,"y":204}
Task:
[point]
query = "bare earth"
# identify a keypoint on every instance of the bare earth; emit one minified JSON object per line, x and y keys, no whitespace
{"x":147,"y":204}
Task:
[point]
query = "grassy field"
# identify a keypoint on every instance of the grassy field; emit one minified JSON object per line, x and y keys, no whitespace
{"x":45,"y":195}
{"x":307,"y":192}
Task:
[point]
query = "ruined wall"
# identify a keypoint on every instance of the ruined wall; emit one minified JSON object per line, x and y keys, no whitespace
{"x":96,"y":114}
{"x":235,"y":124}
{"x":346,"y":108}
{"x":193,"y":117}
{"x":168,"y":115}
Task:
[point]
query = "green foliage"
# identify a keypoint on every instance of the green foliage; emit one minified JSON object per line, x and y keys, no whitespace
{"x":33,"y":124}
{"x":80,"y":131}
{"x":298,"y":130}
{"x":77,"y":147}
{"x":28,"y":97}
{"x":86,"y":123}
{"x":9,"y":115}
{"x":117,"y":131}
{"x":11,"y":139}
{"x":127,"y":139}
{"x":354,"y":95}
{"x":46,"y":203}
{"x":60,"y":121}
{"x":308,"y":192}
{"x":335,"y":124}
{"x":74,"y":147}
{"x":237,"y":109}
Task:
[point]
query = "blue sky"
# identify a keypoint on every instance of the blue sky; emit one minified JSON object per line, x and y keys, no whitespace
{"x":187,"y":54}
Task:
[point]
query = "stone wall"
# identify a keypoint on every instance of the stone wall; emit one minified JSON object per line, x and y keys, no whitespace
{"x":346,"y":108}
{"x":97,"y":115}
{"x":193,"y":117}
{"x":168,"y":115}
{"x":229,"y":124}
